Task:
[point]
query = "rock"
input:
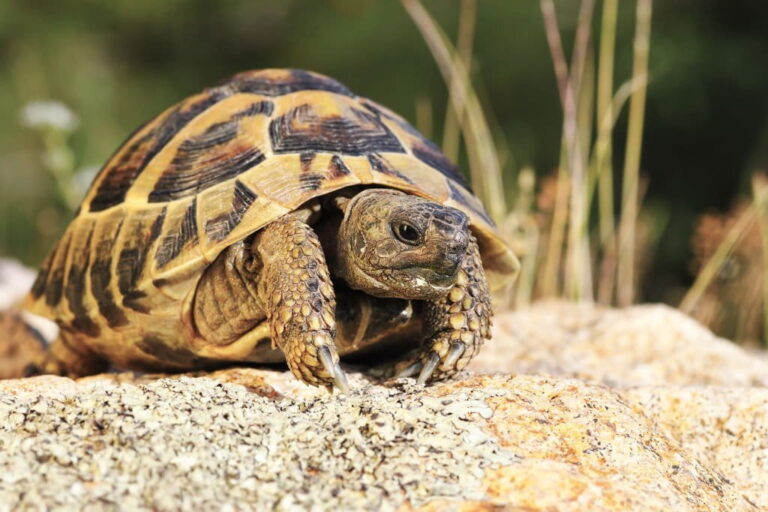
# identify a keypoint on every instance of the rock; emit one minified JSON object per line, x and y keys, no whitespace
{"x":638,"y":346}
{"x":725,"y":428}
{"x":655,"y":429}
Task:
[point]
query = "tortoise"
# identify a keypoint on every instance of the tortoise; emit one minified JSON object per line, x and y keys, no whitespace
{"x":229,"y":227}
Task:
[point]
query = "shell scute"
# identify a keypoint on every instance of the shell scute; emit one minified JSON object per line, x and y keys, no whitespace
{"x":75,"y":290}
{"x":182,"y":234}
{"x":422,"y":148}
{"x":219,"y":227}
{"x":216,"y":148}
{"x":119,"y":174}
{"x":346,"y":130}
{"x":277,"y":82}
{"x":131,"y":267}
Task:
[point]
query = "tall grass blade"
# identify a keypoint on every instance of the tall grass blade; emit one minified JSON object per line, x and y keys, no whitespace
{"x":629,"y":201}
{"x":578,"y":270}
{"x":453,"y":119}
{"x":604,"y":150}
{"x":424,"y":115}
{"x":484,"y":167}
{"x":525,"y":222}
{"x":760,"y":194}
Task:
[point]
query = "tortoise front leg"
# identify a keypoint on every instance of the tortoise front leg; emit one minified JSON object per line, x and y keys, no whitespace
{"x":296,"y":292}
{"x":456,"y":325}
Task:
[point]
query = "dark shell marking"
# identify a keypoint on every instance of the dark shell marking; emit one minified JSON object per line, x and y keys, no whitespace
{"x":75,"y":293}
{"x":379,"y":164}
{"x":422,"y":148}
{"x":296,"y":80}
{"x":55,"y":284}
{"x":118,"y":179}
{"x":208,"y":159}
{"x":101,"y":278}
{"x":172,"y":244}
{"x":219,"y":227}
{"x":359,"y":133}
{"x":431,"y":155}
{"x":131,"y":263}
{"x":337,"y":168}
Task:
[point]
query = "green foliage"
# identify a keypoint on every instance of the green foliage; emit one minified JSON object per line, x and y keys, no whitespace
{"x":116,"y":64}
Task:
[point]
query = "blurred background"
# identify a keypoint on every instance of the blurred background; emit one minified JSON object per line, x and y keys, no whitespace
{"x":79,"y":76}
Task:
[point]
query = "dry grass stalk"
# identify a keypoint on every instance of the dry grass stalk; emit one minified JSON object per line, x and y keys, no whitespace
{"x":484,"y":167}
{"x":523,"y":221}
{"x":578,"y":281}
{"x":603,"y":147}
{"x":550,"y":277}
{"x":626,"y":259}
{"x":424,"y":115}
{"x":760,"y":194}
{"x":454,"y":119}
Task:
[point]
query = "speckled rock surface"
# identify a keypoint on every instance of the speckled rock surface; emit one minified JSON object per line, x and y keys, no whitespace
{"x":672,"y":419}
{"x":644,"y":345}
{"x":256,"y":439}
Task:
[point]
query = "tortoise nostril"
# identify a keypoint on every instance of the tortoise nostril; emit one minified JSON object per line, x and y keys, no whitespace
{"x":459,"y":244}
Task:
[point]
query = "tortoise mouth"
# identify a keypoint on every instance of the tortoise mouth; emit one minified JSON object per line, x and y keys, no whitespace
{"x":439,"y":279}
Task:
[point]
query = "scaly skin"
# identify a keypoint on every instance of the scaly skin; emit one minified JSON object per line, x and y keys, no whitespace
{"x":296,"y":290}
{"x":457,"y":325}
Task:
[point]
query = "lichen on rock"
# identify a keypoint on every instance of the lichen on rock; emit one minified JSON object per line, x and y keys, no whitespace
{"x":662,"y":415}
{"x":201,"y":443}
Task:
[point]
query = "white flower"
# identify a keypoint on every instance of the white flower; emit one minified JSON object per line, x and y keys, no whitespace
{"x":83,"y":178}
{"x":49,"y":114}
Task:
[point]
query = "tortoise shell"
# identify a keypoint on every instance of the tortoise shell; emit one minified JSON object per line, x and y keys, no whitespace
{"x":215,"y":168}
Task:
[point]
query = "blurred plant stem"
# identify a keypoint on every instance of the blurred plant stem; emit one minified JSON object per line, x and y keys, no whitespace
{"x":550,"y":277}
{"x":602,"y":166}
{"x":760,"y":194}
{"x":590,"y":109}
{"x":454,"y":119}
{"x":424,"y":115}
{"x":603,"y":151}
{"x":59,"y":161}
{"x":484,"y":167}
{"x":524,"y":218}
{"x":606,"y":283}
{"x":54,"y":122}
{"x":628,"y":223}
{"x":578,"y":272}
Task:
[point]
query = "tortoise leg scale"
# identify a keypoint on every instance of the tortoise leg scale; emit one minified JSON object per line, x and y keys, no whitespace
{"x":457,"y":325}
{"x":296,"y":291}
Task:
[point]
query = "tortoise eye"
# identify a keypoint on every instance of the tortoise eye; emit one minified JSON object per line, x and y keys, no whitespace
{"x":406,"y":233}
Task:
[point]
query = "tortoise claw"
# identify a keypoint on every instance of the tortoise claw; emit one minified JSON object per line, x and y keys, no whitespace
{"x":433,"y":359}
{"x":454,"y":353}
{"x":333,"y":369}
{"x":409,"y":371}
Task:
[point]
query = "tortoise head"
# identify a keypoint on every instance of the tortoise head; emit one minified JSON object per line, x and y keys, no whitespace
{"x":392,"y":244}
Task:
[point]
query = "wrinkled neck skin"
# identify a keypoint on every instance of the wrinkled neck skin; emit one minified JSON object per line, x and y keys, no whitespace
{"x":395,"y":245}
